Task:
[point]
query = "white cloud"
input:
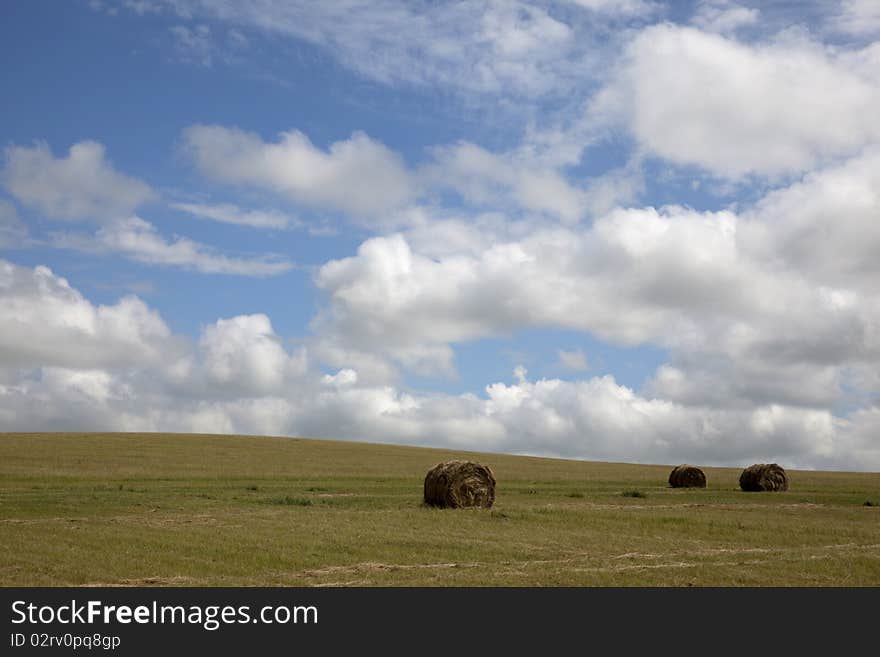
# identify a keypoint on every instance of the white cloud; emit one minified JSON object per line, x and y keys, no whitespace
{"x":574,"y":360}
{"x":89,"y":385}
{"x":522,"y":31}
{"x":484,"y":178}
{"x":139,"y":240}
{"x":591,"y":419}
{"x":344,"y":377}
{"x":13,"y":232}
{"x":724,"y":16}
{"x":244,"y":353}
{"x":364,"y":178}
{"x":194,"y":45}
{"x":142,"y":7}
{"x":858,"y":17}
{"x":359,"y":175}
{"x":735,"y":109}
{"x":620,"y":7}
{"x":621,"y":278}
{"x":236,"y":39}
{"x":83,"y":185}
{"x":45,"y":322}
{"x":614,"y":188}
{"x":826,"y":225}
{"x":231,"y":214}
{"x":477,"y":47}
{"x":777,"y":304}
{"x":603,"y":419}
{"x":67,"y":364}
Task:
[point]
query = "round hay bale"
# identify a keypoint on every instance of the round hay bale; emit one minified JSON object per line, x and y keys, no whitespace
{"x":763,"y":477}
{"x":457,"y":484}
{"x":687,"y":476}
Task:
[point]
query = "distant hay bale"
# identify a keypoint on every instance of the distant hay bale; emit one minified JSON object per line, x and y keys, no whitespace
{"x":457,"y":484}
{"x":687,"y":476}
{"x":763,"y":477}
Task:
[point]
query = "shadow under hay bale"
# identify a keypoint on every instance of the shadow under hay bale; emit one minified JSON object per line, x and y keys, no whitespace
{"x":687,"y":476}
{"x":457,"y":484}
{"x":763,"y":477}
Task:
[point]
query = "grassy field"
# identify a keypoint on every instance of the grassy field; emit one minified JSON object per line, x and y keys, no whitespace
{"x":161,"y":509}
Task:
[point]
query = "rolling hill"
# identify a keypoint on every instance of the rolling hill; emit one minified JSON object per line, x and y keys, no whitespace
{"x":90,"y":509}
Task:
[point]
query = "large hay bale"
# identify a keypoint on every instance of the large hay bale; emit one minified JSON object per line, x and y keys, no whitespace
{"x":457,"y":484}
{"x":687,"y":476}
{"x":763,"y":477}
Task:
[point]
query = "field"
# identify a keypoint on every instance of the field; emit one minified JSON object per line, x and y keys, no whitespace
{"x":168,"y":510}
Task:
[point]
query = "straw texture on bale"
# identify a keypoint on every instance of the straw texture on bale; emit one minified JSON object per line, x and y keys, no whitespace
{"x":687,"y":476}
{"x":457,"y":484}
{"x":763,"y":477}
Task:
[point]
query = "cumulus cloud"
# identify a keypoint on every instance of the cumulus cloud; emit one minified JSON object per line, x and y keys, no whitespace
{"x":83,"y":185}
{"x":485,"y":178}
{"x":357,"y":175}
{"x":139,"y":240}
{"x":858,"y":17}
{"x":364,"y":178}
{"x":622,"y":278}
{"x":615,"y":188}
{"x":66,"y":362}
{"x":826,"y":224}
{"x":592,"y":419}
{"x":344,"y":377}
{"x":777,"y":304}
{"x":244,"y":354}
{"x":46,"y":322}
{"x":601,"y":418}
{"x":118,"y":371}
{"x":737,"y":109}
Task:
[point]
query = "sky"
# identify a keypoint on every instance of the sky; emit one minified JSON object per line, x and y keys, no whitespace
{"x":630,"y":230}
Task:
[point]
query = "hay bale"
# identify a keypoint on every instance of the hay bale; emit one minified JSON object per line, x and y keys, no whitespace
{"x":763,"y":477}
{"x":457,"y":484}
{"x":687,"y":476}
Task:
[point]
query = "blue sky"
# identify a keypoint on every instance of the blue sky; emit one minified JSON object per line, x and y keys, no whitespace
{"x":638,"y":230}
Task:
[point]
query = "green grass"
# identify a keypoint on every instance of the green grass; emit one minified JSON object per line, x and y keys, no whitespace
{"x":160,"y":509}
